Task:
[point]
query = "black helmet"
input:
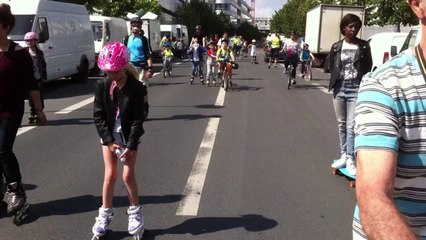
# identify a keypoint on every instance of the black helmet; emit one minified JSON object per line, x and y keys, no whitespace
{"x":136,"y":20}
{"x":235,"y":65}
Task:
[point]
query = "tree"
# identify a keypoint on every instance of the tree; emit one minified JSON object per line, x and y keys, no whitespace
{"x":248,"y":31}
{"x":391,"y":13}
{"x":118,"y":8}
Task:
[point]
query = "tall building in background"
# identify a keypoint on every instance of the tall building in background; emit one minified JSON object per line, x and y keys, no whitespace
{"x":238,"y":10}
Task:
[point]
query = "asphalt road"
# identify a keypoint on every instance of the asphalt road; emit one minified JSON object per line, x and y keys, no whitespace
{"x":262,"y":162}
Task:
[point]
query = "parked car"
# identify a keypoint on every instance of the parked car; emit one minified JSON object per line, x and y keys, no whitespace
{"x":413,"y":38}
{"x":381,"y":46}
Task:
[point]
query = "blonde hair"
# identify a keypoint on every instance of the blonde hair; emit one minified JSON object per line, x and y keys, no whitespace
{"x":131,"y":70}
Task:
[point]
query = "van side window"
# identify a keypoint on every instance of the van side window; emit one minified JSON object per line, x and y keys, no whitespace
{"x":43,"y":30}
{"x":107,"y":32}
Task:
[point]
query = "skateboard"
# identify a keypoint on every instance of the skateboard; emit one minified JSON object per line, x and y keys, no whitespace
{"x":345,"y":173}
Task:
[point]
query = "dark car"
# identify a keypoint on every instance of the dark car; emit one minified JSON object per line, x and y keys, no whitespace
{"x":267,"y":53}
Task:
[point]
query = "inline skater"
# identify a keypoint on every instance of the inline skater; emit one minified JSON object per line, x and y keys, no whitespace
{"x":196,"y":52}
{"x":119,"y":116}
{"x":224,"y":55}
{"x":140,"y":56}
{"x":40,"y":72}
{"x":17,"y":71}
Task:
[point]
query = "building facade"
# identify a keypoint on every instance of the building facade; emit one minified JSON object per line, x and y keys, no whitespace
{"x":238,"y":10}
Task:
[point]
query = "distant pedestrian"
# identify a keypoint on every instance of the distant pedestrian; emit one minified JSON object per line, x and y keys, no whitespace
{"x":253,"y":51}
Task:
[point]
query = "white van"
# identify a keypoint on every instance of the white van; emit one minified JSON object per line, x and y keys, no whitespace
{"x":107,"y":29}
{"x":381,"y":46}
{"x":65,"y":35}
{"x":413,"y":38}
{"x":182,"y":33}
{"x":168,"y":29}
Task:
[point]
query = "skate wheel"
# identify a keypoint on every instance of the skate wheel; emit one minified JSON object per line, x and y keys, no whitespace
{"x":335,"y":172}
{"x":351,"y":184}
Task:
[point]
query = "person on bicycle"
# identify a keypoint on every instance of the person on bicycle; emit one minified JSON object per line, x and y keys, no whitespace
{"x":275,"y":48}
{"x":305,"y":57}
{"x":224,"y":56}
{"x":292,"y":48}
{"x":237,"y":43}
{"x":167,"y":54}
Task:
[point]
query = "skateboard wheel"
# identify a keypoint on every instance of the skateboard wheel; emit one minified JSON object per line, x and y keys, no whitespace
{"x":352,"y":184}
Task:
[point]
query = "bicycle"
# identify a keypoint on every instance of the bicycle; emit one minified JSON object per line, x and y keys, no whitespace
{"x":226,"y":67}
{"x":167,"y":67}
{"x":307,"y":70}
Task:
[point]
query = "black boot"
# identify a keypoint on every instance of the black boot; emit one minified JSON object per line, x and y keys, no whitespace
{"x":16,"y":199}
{"x":146,"y":111}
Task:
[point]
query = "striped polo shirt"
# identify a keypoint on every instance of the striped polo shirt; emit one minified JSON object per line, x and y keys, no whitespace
{"x":391,"y":115}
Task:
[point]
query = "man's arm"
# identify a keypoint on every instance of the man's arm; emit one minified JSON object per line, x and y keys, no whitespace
{"x":374,"y":190}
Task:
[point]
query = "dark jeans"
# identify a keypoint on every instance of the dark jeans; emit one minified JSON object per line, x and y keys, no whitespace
{"x":292,"y":61}
{"x":9,"y":166}
{"x":30,"y":101}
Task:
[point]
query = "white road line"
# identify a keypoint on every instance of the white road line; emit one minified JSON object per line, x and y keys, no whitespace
{"x":189,"y":205}
{"x":76,"y":106}
{"x":178,"y":63}
{"x":25,"y":129}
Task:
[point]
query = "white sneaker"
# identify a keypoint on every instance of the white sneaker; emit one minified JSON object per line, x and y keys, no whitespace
{"x":340,"y":163}
{"x":136,"y":221}
{"x":102,"y":221}
{"x":350,"y":166}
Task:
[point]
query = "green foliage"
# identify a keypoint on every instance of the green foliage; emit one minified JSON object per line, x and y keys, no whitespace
{"x":118,"y":8}
{"x":292,"y":16}
{"x":248,"y":31}
{"x":198,"y":12}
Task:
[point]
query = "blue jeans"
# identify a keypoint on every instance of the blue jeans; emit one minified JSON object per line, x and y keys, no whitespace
{"x":345,"y":95}
{"x":9,"y":166}
{"x":195,"y":65}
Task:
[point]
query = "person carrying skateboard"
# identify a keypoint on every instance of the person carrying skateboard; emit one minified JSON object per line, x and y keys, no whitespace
{"x":390,"y":146}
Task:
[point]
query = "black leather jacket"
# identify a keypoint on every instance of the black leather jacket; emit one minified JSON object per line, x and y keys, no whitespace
{"x":130,"y":100}
{"x":362,"y":63}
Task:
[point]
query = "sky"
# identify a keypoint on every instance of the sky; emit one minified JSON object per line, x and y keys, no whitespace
{"x":266,"y":8}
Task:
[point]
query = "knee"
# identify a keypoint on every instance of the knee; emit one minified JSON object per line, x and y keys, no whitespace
{"x":128,"y":177}
{"x":110,"y":177}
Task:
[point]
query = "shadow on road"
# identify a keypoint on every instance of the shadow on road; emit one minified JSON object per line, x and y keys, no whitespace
{"x":186,"y":117}
{"x":306,"y":87}
{"x":236,"y":88}
{"x":155,"y":84}
{"x":204,"y":225}
{"x":70,"y":121}
{"x":251,"y":79}
{"x":88,"y":203}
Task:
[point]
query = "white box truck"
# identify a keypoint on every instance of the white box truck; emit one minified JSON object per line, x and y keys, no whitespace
{"x":152,"y":27}
{"x":323,"y":27}
{"x":65,"y":35}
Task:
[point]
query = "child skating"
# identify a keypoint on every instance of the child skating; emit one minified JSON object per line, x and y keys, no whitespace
{"x":118,"y":115}
{"x":253,"y":52}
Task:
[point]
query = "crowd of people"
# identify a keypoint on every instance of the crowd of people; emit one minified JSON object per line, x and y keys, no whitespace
{"x":381,"y":116}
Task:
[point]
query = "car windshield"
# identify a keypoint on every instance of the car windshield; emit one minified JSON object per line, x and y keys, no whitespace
{"x":410,"y":41}
{"x":97,"y":30}
{"x":23,"y":24}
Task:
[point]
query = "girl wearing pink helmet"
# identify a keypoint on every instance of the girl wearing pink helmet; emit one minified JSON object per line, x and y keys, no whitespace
{"x":40,"y":72}
{"x":119,"y":115}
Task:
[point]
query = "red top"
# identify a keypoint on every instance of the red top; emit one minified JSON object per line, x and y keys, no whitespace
{"x":16,"y":79}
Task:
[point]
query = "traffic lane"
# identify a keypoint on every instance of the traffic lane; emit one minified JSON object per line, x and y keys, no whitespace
{"x":272,"y":158}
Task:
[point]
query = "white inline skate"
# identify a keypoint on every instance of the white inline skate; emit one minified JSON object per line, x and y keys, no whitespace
{"x":102,"y":221}
{"x":136,"y":222}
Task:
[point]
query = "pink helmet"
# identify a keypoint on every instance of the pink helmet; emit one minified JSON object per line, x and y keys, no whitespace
{"x":31,"y":36}
{"x":114,"y":56}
